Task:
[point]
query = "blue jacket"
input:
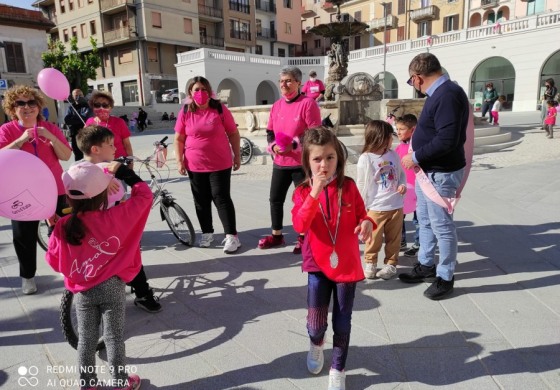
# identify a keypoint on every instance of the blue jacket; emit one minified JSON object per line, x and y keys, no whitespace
{"x":439,"y":138}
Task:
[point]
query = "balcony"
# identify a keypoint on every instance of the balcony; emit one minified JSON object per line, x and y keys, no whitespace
{"x":243,"y":35}
{"x":266,"y":33}
{"x":265,"y":6}
{"x":489,"y":3}
{"x":211,"y":12}
{"x":239,"y":7}
{"x":329,"y":7}
{"x":426,"y":13}
{"x":118,"y":34}
{"x":380,"y":24}
{"x":211,"y":41}
{"x":112,"y":6}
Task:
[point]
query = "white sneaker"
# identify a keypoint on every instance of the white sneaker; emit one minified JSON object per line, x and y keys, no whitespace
{"x":387,"y":272}
{"x":206,"y":240}
{"x":28,"y":286}
{"x":337,"y":380}
{"x":231,"y":243}
{"x":370,"y":270}
{"x":315,"y":358}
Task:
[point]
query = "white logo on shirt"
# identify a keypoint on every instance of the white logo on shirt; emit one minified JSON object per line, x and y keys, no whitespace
{"x":89,"y":267}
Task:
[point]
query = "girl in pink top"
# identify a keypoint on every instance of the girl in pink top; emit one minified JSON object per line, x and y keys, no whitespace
{"x":98,"y":251}
{"x":207,"y":147}
{"x":30,"y":133}
{"x":102,"y":104}
{"x":550,"y":119}
{"x":289,"y":118}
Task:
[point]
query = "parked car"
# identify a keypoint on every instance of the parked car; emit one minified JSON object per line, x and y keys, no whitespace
{"x":170,"y":96}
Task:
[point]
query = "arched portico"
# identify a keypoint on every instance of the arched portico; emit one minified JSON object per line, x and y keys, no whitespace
{"x":551,"y":69}
{"x":267,"y":93}
{"x":231,"y":90}
{"x":391,"y":85}
{"x":500,"y":72}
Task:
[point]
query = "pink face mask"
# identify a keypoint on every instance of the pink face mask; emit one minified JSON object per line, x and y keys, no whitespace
{"x":101,"y":113}
{"x":290,"y":96}
{"x":200,"y":97}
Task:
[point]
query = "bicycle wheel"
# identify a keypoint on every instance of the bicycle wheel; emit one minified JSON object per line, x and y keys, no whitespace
{"x":179,"y":223}
{"x":246,"y":150}
{"x":43,"y":235}
{"x":69,"y":322}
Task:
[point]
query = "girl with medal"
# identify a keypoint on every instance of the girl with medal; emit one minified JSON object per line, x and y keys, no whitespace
{"x":329,"y":210}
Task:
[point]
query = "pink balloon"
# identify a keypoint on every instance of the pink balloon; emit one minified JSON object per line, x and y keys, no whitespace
{"x":409,"y":199}
{"x":283,"y":140}
{"x":118,"y":196}
{"x":28,"y":189}
{"x":53,"y":83}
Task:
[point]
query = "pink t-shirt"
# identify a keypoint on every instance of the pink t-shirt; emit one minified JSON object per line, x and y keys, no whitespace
{"x":293,"y":119}
{"x":207,"y":147}
{"x":550,"y":116}
{"x":119,"y":128}
{"x":313,"y":89}
{"x":110,"y":248}
{"x":11,"y":131}
{"x":402,"y":150}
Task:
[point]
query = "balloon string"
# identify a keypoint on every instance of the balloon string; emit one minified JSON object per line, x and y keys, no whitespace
{"x":35,"y":138}
{"x":76,"y":111}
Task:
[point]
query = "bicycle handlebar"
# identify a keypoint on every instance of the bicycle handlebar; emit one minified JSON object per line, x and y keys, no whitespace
{"x":162,"y":142}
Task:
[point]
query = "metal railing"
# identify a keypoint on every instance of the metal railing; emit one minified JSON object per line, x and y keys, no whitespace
{"x":266,"y":33}
{"x":243,"y":35}
{"x":239,"y":7}
{"x":107,"y":4}
{"x":211,"y":41}
{"x":266,"y":6}
{"x":210,"y":11}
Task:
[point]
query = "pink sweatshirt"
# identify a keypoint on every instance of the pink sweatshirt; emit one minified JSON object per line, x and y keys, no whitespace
{"x":110,"y":248}
{"x":11,"y":131}
{"x":293,"y":119}
{"x":402,"y":150}
{"x":313,"y":89}
{"x":119,"y":128}
{"x":207,"y":147}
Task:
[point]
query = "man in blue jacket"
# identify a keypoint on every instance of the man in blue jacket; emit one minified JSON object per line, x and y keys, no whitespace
{"x":438,"y":148}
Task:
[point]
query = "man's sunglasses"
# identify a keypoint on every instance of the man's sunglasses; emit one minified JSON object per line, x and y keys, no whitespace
{"x":28,"y":103}
{"x":411,"y":80}
{"x":99,"y":105}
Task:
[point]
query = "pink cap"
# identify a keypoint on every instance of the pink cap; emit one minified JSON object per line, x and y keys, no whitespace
{"x":85,"y":178}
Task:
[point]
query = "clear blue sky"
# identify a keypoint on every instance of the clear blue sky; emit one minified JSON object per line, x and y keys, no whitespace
{"x":19,"y":3}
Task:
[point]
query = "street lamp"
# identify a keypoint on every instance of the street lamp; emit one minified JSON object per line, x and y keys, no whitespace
{"x":384,"y":4}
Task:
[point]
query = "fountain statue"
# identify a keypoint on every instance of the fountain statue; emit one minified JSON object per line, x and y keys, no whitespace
{"x":338,"y":54}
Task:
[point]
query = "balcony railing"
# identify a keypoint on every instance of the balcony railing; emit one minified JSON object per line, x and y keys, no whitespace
{"x":380,"y":23}
{"x":115,"y":35}
{"x":266,"y":6}
{"x":211,"y":41}
{"x":108,"y":4}
{"x":426,"y":13}
{"x":329,"y":7}
{"x":210,"y":11}
{"x":266,"y":33}
{"x":489,"y":3}
{"x":243,"y":35}
{"x":239,"y":7}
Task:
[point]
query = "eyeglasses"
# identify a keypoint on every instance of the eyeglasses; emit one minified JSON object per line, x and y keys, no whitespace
{"x":28,"y":103}
{"x":411,"y":80}
{"x":99,"y":105}
{"x":287,"y":81}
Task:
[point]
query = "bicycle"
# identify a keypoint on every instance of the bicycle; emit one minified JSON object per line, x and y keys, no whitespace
{"x":246,"y":149}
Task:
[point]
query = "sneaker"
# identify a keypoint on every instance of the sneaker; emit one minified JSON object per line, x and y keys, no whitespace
{"x":337,"y":380}
{"x":148,"y":303}
{"x":439,"y":289}
{"x":315,"y":358}
{"x":299,"y":244}
{"x":412,"y":251}
{"x":420,"y":273}
{"x":403,"y":245}
{"x":387,"y":272}
{"x":231,"y":243}
{"x":205,"y":240}
{"x":134,"y":383}
{"x":370,"y":270}
{"x":271,"y":241}
{"x":28,"y":286}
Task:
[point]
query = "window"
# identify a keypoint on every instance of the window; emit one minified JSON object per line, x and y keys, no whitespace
{"x":62,"y":7}
{"x":14,"y":57}
{"x":71,"y":5}
{"x":317,"y":21}
{"x":106,"y":60}
{"x":65,"y":35}
{"x":90,"y":1}
{"x":401,"y":7}
{"x":304,"y":48}
{"x":389,"y":8}
{"x":424,"y":28}
{"x":187,"y":25}
{"x":281,"y":52}
{"x":125,"y":56}
{"x":74,"y":31}
{"x":156,"y":19}
{"x":358,"y":16}
{"x":83,"y":30}
{"x":258,"y":49}
{"x":424,"y":3}
{"x":92,"y":28}
{"x":317,"y":43}
{"x":451,"y":23}
{"x":152,"y":54}
{"x":287,"y":4}
{"x":357,"y":42}
{"x":535,"y":6}
{"x":288,"y":28}
{"x":80,"y":3}
{"x":400,"y":33}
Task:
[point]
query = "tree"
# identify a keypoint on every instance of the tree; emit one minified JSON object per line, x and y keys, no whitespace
{"x":77,"y":67}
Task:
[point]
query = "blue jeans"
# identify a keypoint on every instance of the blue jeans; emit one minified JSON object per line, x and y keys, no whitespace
{"x":436,"y":224}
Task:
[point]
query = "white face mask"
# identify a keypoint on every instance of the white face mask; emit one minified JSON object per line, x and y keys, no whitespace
{"x":312,"y":79}
{"x":488,"y":89}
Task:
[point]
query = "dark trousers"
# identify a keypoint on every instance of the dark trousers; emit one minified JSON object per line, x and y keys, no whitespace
{"x":279,"y":186}
{"x":319,"y":291}
{"x":140,"y":284}
{"x":25,"y":242}
{"x":208,"y":187}
{"x":487,"y":107}
{"x":78,"y":154}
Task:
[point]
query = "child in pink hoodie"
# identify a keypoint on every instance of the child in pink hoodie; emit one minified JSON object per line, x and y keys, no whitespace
{"x":98,"y":252}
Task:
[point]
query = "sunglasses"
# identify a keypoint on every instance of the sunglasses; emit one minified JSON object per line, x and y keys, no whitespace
{"x":99,"y":105}
{"x":29,"y":103}
{"x":411,"y":80}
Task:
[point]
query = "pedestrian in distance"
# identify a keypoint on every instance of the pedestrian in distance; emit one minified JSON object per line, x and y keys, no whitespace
{"x":489,"y":96}
{"x":550,"y":119}
{"x":329,"y":210}
{"x":496,"y":108}
{"x":382,"y":184}
{"x":76,"y":116}
{"x":314,"y":88}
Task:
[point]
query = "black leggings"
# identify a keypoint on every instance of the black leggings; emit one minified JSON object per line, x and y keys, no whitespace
{"x":213,"y":186}
{"x":279,"y":186}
